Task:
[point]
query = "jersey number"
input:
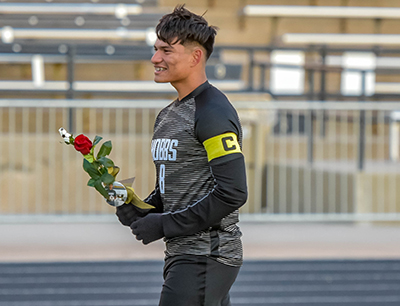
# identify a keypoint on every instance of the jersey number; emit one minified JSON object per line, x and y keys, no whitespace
{"x":161,"y":179}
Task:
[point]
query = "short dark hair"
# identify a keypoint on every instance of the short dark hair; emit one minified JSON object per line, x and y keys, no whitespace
{"x":183,"y":26}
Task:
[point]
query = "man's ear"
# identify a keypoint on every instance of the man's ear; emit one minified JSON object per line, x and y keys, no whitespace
{"x":197,"y":56}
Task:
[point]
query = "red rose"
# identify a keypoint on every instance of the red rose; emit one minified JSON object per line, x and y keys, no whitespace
{"x":82,"y":144}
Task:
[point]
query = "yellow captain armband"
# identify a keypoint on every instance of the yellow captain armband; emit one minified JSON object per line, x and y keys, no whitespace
{"x":221,"y":145}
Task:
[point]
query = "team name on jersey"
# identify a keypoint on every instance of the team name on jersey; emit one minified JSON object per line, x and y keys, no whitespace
{"x":164,"y":149}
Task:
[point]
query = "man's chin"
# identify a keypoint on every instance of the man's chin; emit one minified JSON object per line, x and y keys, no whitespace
{"x":160,"y":80}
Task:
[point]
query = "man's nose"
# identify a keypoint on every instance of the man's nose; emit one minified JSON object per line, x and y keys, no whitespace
{"x":156,"y":57}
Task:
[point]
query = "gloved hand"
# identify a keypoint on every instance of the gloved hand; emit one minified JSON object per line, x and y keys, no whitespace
{"x":128,"y":213}
{"x":148,"y":229}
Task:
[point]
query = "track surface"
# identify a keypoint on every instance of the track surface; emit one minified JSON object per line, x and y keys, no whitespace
{"x":266,"y":282}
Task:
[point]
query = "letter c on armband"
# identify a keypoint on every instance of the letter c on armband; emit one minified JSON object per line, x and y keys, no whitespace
{"x":221,"y":145}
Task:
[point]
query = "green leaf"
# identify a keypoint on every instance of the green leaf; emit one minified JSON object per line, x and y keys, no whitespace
{"x":96,"y":164}
{"x":90,"y":169}
{"x":89,"y":157}
{"x":91,"y":182}
{"x":97,"y":140}
{"x":107,"y":178}
{"x":99,"y":187}
{"x":106,"y":162}
{"x":105,"y":149}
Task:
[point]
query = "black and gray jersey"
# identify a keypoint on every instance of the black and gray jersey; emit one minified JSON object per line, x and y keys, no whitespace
{"x":201,"y":178}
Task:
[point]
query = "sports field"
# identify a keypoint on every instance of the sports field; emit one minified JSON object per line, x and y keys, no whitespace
{"x":98,"y":264}
{"x":300,"y":283}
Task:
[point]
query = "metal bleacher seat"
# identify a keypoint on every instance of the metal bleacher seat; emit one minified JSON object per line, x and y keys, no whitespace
{"x":44,"y":32}
{"x":365,"y":60}
{"x":351,"y":60}
{"x":339,"y":12}
{"x":79,"y":15}
{"x":41,"y":32}
{"x":320,"y":11}
{"x":76,"y":21}
{"x":342,"y":39}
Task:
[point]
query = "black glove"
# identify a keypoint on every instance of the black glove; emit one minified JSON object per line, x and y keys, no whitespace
{"x":128,"y":213}
{"x":148,"y":229}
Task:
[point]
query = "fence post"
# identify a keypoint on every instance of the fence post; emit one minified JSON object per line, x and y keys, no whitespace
{"x":262,"y":77}
{"x":70,"y":78}
{"x":259,"y":165}
{"x":250,"y":86}
{"x":322,"y":95}
{"x":309,"y":123}
{"x":310,"y":84}
{"x":310,"y":139}
{"x":361,"y":142}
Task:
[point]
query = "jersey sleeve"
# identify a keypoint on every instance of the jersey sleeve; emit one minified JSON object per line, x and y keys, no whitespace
{"x":229,"y":194}
{"x":216,"y":118}
{"x":218,"y":129}
{"x":154,"y":199}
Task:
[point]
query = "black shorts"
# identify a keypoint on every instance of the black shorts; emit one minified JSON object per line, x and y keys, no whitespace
{"x":191,"y":280}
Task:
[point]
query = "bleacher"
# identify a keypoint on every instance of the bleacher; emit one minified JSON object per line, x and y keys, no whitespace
{"x":360,"y":35}
{"x":259,"y":44}
{"x":48,"y":43}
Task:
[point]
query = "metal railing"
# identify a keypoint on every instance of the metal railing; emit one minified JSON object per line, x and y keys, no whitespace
{"x":303,"y":158}
{"x":321,"y":73}
{"x":321,"y":161}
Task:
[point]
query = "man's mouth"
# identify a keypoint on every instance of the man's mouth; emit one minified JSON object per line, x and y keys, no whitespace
{"x":159,"y":69}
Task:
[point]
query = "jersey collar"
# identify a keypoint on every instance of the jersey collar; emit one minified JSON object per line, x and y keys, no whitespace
{"x":195,"y":92}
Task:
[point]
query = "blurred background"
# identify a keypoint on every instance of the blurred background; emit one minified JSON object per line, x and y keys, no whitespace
{"x":316,"y":84}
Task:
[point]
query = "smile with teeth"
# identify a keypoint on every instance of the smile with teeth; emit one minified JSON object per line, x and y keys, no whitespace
{"x":160,"y":69}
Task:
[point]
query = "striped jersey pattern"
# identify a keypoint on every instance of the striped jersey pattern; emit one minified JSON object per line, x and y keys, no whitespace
{"x":184,"y":177}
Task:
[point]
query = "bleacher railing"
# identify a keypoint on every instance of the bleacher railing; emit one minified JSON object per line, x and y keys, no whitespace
{"x":306,"y":161}
{"x":313,"y":73}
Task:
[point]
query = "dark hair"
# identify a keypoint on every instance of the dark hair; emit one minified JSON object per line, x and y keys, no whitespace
{"x":183,"y":26}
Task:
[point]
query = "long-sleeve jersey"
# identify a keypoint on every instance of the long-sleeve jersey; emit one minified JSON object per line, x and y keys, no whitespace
{"x":201,"y":178}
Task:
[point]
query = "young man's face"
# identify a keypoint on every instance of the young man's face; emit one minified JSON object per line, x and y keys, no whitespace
{"x":171,"y":62}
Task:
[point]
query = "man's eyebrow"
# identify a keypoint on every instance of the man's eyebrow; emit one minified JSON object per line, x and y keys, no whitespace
{"x":163,"y":47}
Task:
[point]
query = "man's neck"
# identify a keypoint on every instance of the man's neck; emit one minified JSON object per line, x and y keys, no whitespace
{"x":185,"y":88}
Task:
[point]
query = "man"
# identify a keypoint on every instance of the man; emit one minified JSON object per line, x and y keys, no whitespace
{"x":201,"y":179}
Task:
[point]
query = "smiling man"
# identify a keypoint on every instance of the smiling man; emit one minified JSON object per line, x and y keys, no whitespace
{"x":201,"y":179}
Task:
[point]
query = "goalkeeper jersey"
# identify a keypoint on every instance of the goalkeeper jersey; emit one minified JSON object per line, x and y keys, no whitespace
{"x":201,"y":179}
